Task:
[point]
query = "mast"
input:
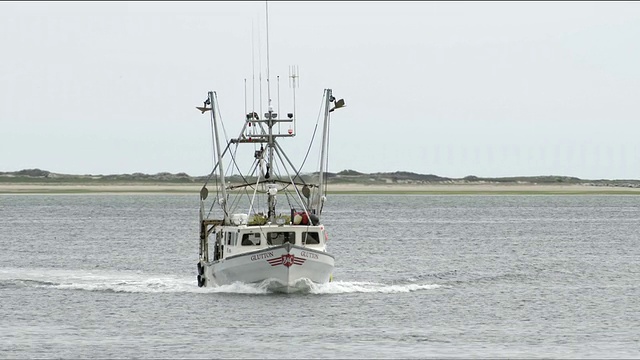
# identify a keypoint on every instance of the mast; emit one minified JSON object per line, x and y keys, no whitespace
{"x":223,"y":202}
{"x":323,"y":153}
{"x":271,"y":188}
{"x":270,"y":115}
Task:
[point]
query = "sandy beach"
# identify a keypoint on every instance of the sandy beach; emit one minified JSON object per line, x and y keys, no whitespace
{"x":35,"y":188}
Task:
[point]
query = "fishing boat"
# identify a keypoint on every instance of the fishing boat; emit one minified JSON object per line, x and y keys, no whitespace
{"x":246,"y":235}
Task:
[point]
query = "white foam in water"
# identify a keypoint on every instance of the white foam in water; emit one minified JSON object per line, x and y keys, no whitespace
{"x":305,"y":286}
{"x":238,"y":288}
{"x":138,"y":282}
{"x":91,"y":280}
{"x":340,"y":287}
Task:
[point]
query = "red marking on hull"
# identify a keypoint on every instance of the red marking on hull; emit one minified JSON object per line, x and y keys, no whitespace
{"x":286,"y":260}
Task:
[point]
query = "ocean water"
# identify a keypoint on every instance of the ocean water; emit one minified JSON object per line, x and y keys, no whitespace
{"x":114,"y":276}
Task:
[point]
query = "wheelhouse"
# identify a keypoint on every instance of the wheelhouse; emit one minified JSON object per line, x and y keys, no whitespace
{"x":235,"y":240}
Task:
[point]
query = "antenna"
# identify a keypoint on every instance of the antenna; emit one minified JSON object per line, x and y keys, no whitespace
{"x":278,"y":77}
{"x":260,"y":67}
{"x":293,"y":83}
{"x":253,"y":69}
{"x":266,"y":3}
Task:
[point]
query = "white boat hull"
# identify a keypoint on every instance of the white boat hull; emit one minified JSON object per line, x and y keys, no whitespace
{"x":286,"y":268}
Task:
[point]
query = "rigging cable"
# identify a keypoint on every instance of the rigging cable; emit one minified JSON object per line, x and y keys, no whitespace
{"x":315,"y":129}
{"x":292,"y":183}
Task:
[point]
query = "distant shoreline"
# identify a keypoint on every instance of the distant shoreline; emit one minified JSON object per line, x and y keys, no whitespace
{"x":435,"y":189}
{"x":37,"y":181}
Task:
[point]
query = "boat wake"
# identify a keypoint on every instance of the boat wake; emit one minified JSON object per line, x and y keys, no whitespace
{"x":305,"y":286}
{"x":139,"y":282}
{"x":101,"y":280}
{"x":341,"y":287}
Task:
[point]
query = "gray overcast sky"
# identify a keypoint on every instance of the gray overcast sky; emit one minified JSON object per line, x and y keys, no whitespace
{"x":445,"y":88}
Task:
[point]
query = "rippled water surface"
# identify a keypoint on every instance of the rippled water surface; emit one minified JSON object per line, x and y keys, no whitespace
{"x":114,"y":276}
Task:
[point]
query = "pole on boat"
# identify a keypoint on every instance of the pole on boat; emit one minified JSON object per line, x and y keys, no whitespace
{"x":271,"y":188}
{"x":223,"y":202}
{"x":270,"y":116}
{"x":325,"y":129}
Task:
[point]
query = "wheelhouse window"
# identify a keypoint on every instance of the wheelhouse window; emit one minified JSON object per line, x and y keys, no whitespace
{"x":231,"y":238}
{"x":311,"y":238}
{"x":250,"y":239}
{"x":281,"y":237}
